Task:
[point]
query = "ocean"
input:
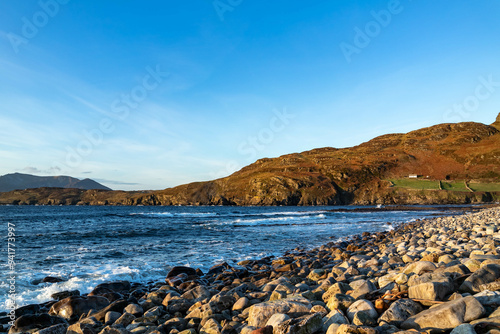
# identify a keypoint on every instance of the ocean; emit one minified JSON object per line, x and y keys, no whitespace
{"x":86,"y":245}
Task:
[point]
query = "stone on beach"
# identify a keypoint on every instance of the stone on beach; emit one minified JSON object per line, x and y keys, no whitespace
{"x":399,"y":311}
{"x":260,"y":313}
{"x":75,"y":306}
{"x":446,"y":316}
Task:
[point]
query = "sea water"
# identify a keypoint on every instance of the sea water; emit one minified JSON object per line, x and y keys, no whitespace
{"x":86,"y":246}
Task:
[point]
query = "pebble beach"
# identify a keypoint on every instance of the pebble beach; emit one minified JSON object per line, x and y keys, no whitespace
{"x":437,"y":275}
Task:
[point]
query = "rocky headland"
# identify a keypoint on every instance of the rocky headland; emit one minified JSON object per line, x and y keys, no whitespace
{"x":464,"y":153}
{"x":430,"y":276}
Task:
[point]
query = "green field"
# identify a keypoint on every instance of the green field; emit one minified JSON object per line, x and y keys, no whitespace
{"x":420,"y":184}
{"x":454,"y":186}
{"x":416,"y":184}
{"x":485,"y":186}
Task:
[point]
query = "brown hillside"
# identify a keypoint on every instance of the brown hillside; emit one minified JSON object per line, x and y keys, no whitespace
{"x":329,"y":176}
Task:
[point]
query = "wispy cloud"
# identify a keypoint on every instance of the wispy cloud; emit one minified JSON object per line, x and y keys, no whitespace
{"x":35,"y":170}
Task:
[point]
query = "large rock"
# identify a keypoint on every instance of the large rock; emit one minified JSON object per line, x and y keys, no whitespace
{"x":27,"y":323}
{"x":277,"y":319}
{"x":175,"y":271}
{"x":110,"y":287}
{"x":464,"y":329}
{"x":75,"y":306}
{"x":353,"y":329}
{"x":446,"y":316}
{"x":340,"y":301}
{"x":211,"y":327}
{"x":334,"y":317}
{"x":399,"y":311}
{"x":487,"y":274}
{"x":80,"y":328}
{"x":55,"y":329}
{"x":196,"y":294}
{"x":430,"y":290}
{"x":307,"y":324}
{"x":361,"y":306}
{"x":260,"y":313}
{"x":116,"y":306}
{"x":364,"y":289}
{"x":419,"y":267}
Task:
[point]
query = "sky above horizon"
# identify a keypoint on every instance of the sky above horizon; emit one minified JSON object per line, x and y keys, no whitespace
{"x":153,"y":94}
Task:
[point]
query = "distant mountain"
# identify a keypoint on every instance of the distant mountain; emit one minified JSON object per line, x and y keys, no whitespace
{"x":18,"y":181}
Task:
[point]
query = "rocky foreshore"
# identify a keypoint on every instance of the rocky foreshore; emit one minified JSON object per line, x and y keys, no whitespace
{"x":433,"y":276}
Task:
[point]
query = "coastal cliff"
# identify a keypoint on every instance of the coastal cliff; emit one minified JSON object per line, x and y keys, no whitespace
{"x":465,"y":153}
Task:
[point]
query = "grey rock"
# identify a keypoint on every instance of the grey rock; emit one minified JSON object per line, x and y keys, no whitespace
{"x":56,"y":329}
{"x":334,"y":317}
{"x":260,"y":313}
{"x":484,"y":275}
{"x":446,"y":316}
{"x":464,"y":329}
{"x":399,"y":311}
{"x":340,"y":301}
{"x":307,"y":324}
{"x":361,"y":305}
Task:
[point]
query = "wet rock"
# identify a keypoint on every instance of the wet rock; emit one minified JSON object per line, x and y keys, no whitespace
{"x":446,"y":316}
{"x":110,"y":287}
{"x":50,"y":279}
{"x":64,"y":294}
{"x":27,"y":323}
{"x":75,"y":306}
{"x":125,"y":319}
{"x":80,"y":328}
{"x":27,"y":310}
{"x":399,"y":311}
{"x":175,"y":271}
{"x":56,"y":329}
{"x":116,"y":306}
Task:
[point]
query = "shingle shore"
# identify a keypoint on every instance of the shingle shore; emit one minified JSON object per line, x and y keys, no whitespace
{"x":436,"y":276}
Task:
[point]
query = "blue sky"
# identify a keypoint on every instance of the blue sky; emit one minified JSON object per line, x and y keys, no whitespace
{"x":153,"y":94}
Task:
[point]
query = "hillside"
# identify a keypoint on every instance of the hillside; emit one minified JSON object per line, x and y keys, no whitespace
{"x":16,"y":181}
{"x":465,"y":152}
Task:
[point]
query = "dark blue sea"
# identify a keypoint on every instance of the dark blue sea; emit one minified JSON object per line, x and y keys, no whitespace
{"x":88,"y":245}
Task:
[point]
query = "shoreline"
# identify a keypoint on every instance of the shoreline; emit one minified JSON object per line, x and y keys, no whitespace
{"x":319,"y":285}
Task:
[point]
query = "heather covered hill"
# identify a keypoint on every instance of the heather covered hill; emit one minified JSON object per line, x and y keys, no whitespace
{"x":461,"y":152}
